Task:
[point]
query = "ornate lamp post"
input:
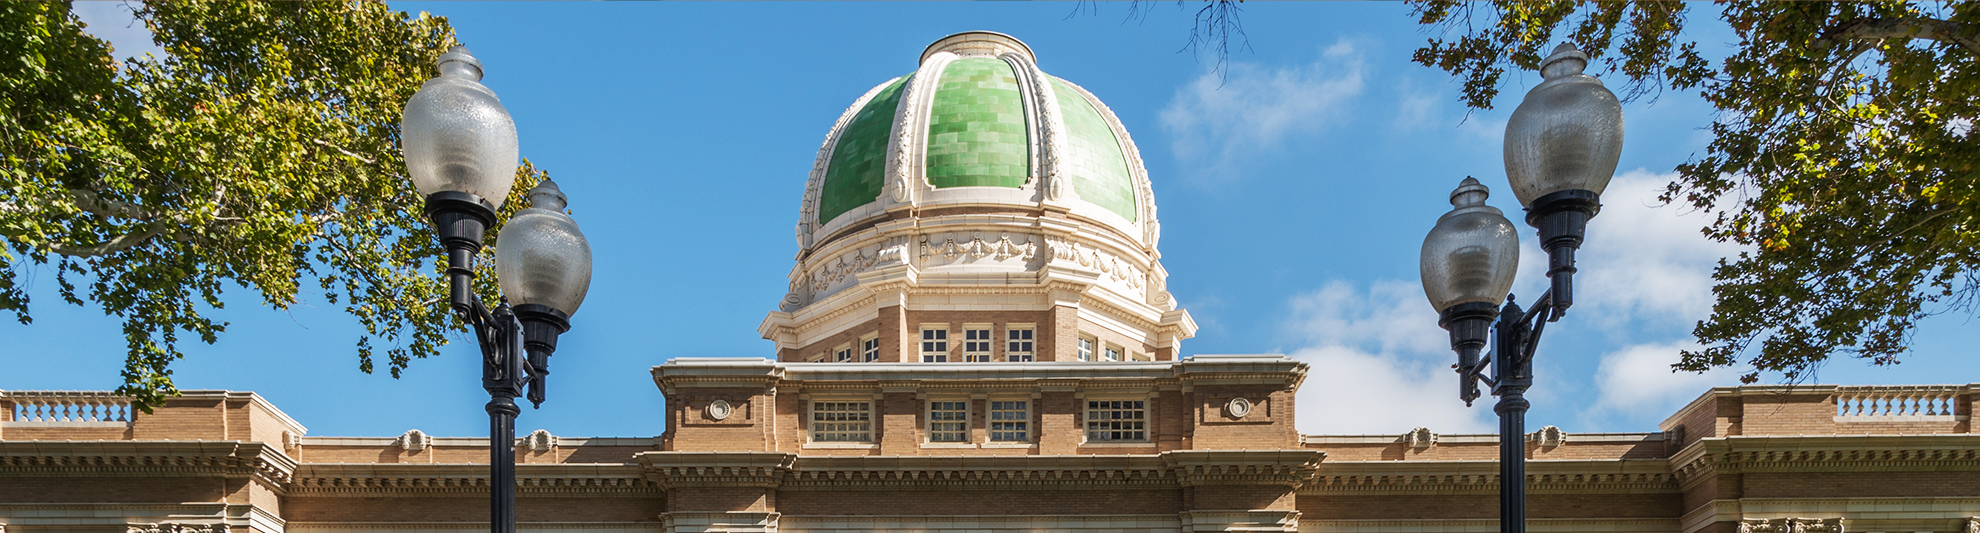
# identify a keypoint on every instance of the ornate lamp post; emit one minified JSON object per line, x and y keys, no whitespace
{"x":1561,"y":148}
{"x":460,"y":148}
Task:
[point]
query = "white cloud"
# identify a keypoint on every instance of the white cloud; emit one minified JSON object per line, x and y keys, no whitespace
{"x":115,"y":22}
{"x":1377,"y":363}
{"x":1217,"y":121}
{"x":1644,"y":261}
{"x":1638,"y":381}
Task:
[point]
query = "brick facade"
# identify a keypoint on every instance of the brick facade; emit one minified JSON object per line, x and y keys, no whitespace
{"x":1737,"y":455}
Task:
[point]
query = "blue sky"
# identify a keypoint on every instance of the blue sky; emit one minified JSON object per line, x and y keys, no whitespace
{"x":1294,"y":195}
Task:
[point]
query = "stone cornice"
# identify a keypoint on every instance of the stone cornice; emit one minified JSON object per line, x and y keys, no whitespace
{"x":535,"y":480}
{"x":1827,"y":453}
{"x":787,"y":471}
{"x":1648,"y":476}
{"x":672,"y":470}
{"x":146,"y":458}
{"x":1266,"y":369}
{"x":1286,"y":468}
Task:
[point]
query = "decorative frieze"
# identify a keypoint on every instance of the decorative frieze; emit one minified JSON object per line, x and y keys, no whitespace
{"x":974,"y":246}
{"x":176,"y":527}
{"x":1791,"y":525}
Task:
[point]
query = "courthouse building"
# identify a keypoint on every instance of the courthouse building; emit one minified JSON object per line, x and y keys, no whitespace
{"x":977,"y":337}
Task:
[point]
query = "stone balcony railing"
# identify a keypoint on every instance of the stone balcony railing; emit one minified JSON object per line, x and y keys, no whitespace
{"x":64,"y":408}
{"x":1762,"y":410}
{"x":1899,"y":403}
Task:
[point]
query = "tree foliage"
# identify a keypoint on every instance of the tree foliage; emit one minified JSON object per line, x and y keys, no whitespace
{"x":1842,"y":156}
{"x":260,"y":151}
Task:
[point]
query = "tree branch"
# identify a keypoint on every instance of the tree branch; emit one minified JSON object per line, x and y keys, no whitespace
{"x":1876,"y":29}
{"x":115,"y":245}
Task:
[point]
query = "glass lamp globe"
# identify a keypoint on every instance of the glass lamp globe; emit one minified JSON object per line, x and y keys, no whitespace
{"x":1471,"y":255}
{"x":540,"y":256}
{"x":1566,"y":135}
{"x":457,"y":136}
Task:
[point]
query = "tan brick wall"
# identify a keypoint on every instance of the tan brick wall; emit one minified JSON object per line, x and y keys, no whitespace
{"x":62,"y":433}
{"x":1223,"y":497}
{"x":183,"y":419}
{"x":112,"y":490}
{"x":849,"y":337}
{"x":1788,"y":414}
{"x":1106,"y":335}
{"x":956,"y":320}
{"x":1270,"y":424}
{"x":748,"y":428}
{"x":1862,"y":484}
{"x":1003,"y":502}
{"x":470,"y":508}
{"x":1475,"y":506}
{"x":1059,"y":333}
{"x":720,"y":499}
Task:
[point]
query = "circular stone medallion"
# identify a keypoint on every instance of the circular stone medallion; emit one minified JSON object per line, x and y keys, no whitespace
{"x":719,"y":409}
{"x":1238,"y":407}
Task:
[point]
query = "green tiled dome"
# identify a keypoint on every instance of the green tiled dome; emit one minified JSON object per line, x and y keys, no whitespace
{"x":976,"y":133}
{"x":853,"y":177}
{"x":974,"y":115}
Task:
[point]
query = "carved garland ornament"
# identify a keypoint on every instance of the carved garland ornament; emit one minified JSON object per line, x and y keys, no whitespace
{"x":1791,"y":525}
{"x":1113,"y":267}
{"x":977,"y":248}
{"x":175,"y":527}
{"x":1420,"y":438}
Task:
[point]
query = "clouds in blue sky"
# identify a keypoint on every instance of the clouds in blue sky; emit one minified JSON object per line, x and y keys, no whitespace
{"x":1216,"y":121}
{"x":1381,"y":365}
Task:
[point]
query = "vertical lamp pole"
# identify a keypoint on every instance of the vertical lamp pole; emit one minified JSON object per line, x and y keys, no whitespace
{"x":1561,"y":148}
{"x":460,"y":148}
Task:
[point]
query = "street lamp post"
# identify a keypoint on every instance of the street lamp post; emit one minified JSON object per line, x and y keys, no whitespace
{"x":1561,"y":148}
{"x":460,"y":148}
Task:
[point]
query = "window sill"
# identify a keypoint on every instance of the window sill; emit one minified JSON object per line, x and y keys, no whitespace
{"x":841,"y":446}
{"x":928,"y":445}
{"x":1009,"y":445}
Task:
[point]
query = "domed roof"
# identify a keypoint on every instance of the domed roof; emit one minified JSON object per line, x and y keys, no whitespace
{"x":977,"y":124}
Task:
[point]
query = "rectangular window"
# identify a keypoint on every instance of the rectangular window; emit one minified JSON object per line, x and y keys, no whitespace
{"x":1010,"y":421}
{"x":817,"y":358}
{"x":935,"y":343}
{"x":869,"y":349}
{"x":1018,"y":344}
{"x":841,"y":422}
{"x":1113,"y":353}
{"x":948,"y":421}
{"x":1085,"y":348}
{"x":1116,"y":421}
{"x":842,"y":354}
{"x":976,"y":343}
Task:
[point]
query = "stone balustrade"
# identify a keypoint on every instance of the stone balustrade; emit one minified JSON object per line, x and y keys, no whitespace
{"x":1897,"y":403}
{"x":61,"y":407}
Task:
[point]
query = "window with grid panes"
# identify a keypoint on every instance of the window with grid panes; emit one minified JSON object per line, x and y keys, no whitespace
{"x":1085,"y":348}
{"x":976,"y":344}
{"x":1113,"y":353}
{"x":1116,"y":421}
{"x":948,"y":421}
{"x":1010,"y":421}
{"x":869,"y":349}
{"x":843,"y":353}
{"x":1018,"y":344}
{"x":935,"y":345}
{"x":841,"y":422}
